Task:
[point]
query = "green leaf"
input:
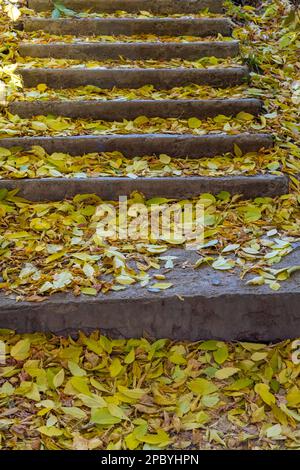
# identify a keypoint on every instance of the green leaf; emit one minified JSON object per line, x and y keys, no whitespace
{"x":239,"y":384}
{"x":3,"y":193}
{"x":221,"y":354}
{"x":226,"y":372}
{"x":104,"y":417}
{"x":130,"y":357}
{"x":252,"y":214}
{"x":223,"y":264}
{"x":74,"y":411}
{"x":75,"y":369}
{"x":92,"y":401}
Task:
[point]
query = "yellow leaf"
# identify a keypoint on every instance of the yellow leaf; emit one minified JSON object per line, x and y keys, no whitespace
{"x":202,"y":387}
{"x":74,"y":411}
{"x":20,"y":351}
{"x":4,"y":152}
{"x":226,"y":372}
{"x":89,"y":291}
{"x":131,"y":442}
{"x":50,"y":431}
{"x":162,"y":285}
{"x":164,"y":159}
{"x":194,"y":123}
{"x":264,"y":393}
{"x":92,"y":401}
{"x":293,"y":397}
{"x":242,"y":116}
{"x":59,"y":378}
{"x":42,"y":87}
{"x":115,"y":368}
{"x":75,"y":369}
{"x":39,"y":224}
{"x":161,"y":438}
{"x":135,"y":394}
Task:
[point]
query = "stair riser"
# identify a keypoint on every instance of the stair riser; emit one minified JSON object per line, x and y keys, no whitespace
{"x":119,"y":110}
{"x":133,"y":51}
{"x":110,"y":188}
{"x":258,"y":315}
{"x":131,"y":26}
{"x":134,"y":6}
{"x":134,"y":78}
{"x":135,"y":145}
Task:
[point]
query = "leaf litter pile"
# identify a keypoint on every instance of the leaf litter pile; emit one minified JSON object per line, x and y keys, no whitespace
{"x":96,"y":393}
{"x":56,"y":246}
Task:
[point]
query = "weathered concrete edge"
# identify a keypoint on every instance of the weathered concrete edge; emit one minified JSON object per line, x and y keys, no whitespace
{"x":132,"y":50}
{"x":200,"y":27}
{"x":135,"y":77}
{"x":242,"y":315}
{"x":116,"y":110}
{"x":111,"y":188}
{"x":133,"y":145}
{"x":134,"y":6}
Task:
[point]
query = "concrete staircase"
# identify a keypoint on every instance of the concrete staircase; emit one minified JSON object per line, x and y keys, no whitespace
{"x":195,"y":308}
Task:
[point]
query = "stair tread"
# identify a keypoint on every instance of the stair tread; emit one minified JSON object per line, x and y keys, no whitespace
{"x":204,"y":299}
{"x":156,"y":6}
{"x":130,"y":50}
{"x":200,"y":27}
{"x":132,"y":145}
{"x":134,"y":77}
{"x":110,"y":188}
{"x":121,"y":109}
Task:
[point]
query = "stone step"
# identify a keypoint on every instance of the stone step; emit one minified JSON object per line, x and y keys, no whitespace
{"x":135,"y":51}
{"x":161,"y":78}
{"x":201,"y":304}
{"x":130,"y":26}
{"x":111,"y":188}
{"x":164,"y":7}
{"x":116,"y":110}
{"x":134,"y":145}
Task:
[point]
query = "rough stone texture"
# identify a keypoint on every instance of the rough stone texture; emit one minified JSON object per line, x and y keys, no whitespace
{"x":133,"y":145}
{"x":111,"y":188}
{"x":117,"y":110}
{"x":202,"y":304}
{"x":134,"y":78}
{"x":134,"y":6}
{"x":135,"y":51}
{"x":131,"y":26}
